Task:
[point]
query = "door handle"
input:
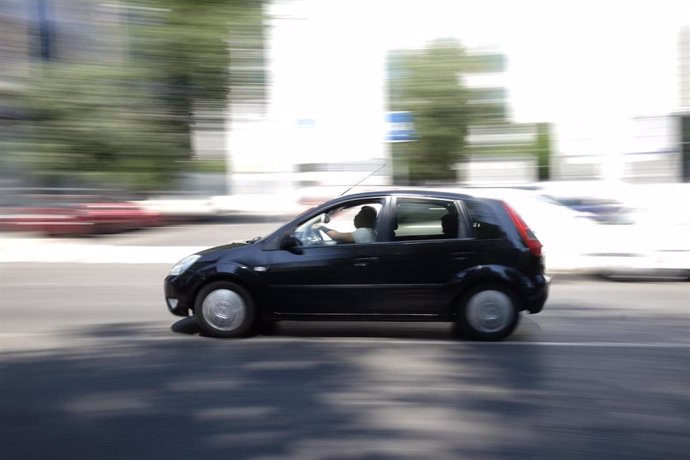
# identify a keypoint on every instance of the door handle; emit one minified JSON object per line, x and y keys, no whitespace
{"x":461,"y":255}
{"x":364,"y":261}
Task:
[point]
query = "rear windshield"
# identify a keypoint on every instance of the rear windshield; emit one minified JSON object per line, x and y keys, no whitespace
{"x":485,"y":224}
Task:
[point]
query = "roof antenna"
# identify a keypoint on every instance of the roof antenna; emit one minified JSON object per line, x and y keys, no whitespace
{"x":367,"y":177}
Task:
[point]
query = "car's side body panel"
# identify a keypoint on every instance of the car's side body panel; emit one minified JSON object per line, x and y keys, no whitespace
{"x":323,"y":280}
{"x":417,"y":277}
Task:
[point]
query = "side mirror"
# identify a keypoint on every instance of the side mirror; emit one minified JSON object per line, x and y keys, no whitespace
{"x":292,"y":244}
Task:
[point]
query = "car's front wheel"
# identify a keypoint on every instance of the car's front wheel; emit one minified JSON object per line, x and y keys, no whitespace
{"x":225,"y":309}
{"x":488,"y":313}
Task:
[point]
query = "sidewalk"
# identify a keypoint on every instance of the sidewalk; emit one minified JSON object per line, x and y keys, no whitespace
{"x":46,"y":250}
{"x":224,"y":205}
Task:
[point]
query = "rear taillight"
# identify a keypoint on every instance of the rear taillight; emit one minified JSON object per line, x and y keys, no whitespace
{"x":528,"y":237}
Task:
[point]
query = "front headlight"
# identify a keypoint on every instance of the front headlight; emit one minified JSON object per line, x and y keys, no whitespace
{"x":184,"y":264}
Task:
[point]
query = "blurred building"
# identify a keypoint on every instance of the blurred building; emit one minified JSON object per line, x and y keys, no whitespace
{"x":661,"y":147}
{"x":28,"y":35}
{"x":309,"y":102}
{"x":15,"y":43}
{"x":507,"y":153}
{"x":649,"y":148}
{"x":654,"y":155}
{"x":14,"y":65}
{"x":684,"y":68}
{"x":60,"y":31}
{"x":35,"y":34}
{"x":324,"y":122}
{"x":485,"y":79}
{"x":500,"y":151}
{"x":642,"y":149}
{"x":497,"y":151}
{"x":38,"y":33}
{"x":683,"y":115}
{"x":302,"y":118}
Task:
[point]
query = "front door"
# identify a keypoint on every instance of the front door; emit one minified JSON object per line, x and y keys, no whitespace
{"x":332,"y":273}
{"x":324,"y":281}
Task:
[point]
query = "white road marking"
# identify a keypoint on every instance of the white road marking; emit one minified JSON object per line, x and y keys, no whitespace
{"x":465,"y":343}
{"x":347,"y":340}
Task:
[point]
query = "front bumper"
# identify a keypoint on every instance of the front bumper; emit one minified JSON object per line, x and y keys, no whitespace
{"x":180,"y":292}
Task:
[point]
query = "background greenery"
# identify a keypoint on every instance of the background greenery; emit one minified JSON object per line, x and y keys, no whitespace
{"x":127,"y":119}
{"x":427,"y":84}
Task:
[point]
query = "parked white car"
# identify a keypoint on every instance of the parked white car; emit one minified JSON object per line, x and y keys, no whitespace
{"x":655,"y":243}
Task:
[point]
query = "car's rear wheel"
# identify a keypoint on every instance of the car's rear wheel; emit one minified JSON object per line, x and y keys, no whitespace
{"x":225,"y":309}
{"x":488,"y":313}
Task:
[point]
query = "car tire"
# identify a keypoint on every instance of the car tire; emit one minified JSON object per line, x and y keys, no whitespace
{"x":225,"y":309}
{"x":488,"y":313}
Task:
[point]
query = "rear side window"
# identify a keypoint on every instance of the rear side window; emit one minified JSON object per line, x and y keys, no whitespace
{"x":484,"y":222}
{"x":424,"y":219}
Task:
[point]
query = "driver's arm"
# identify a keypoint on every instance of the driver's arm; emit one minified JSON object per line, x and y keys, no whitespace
{"x":343,"y":237}
{"x":339,"y":236}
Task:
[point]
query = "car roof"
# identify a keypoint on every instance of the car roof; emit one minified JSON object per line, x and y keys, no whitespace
{"x":423,"y":193}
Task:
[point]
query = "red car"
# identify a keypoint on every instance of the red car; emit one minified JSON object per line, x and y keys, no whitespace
{"x":78,"y":216}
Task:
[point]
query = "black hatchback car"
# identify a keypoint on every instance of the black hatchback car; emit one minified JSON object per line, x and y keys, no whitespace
{"x":377,"y":256}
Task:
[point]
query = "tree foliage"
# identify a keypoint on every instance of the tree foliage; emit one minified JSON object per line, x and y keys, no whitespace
{"x":93,"y":125}
{"x":126,"y":118}
{"x":542,"y":149}
{"x":427,"y":83}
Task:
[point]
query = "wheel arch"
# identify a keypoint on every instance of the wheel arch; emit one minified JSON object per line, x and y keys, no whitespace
{"x":496,"y":276}
{"x":474,"y":315}
{"x":228,"y":309}
{"x":236,"y":274}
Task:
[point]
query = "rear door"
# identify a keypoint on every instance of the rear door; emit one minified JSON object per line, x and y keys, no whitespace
{"x":429,"y":244}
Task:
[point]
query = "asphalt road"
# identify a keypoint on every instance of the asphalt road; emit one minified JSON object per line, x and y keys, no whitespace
{"x":93,"y":367}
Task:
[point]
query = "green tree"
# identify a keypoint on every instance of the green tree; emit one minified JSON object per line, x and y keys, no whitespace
{"x":543,"y":150}
{"x":188,"y":45}
{"x":126,"y":120}
{"x":91,"y":124}
{"x":427,"y":83}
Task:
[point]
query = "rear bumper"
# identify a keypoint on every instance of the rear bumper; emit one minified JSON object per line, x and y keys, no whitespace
{"x":534,"y":303}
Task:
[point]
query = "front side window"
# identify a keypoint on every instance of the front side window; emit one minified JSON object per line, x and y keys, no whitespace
{"x":351,"y":223}
{"x":419,"y":219}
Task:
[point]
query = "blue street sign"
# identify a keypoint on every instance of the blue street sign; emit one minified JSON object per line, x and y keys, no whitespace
{"x":400,"y":127}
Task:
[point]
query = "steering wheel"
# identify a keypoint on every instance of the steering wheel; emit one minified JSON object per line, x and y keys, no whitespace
{"x":313,"y":236}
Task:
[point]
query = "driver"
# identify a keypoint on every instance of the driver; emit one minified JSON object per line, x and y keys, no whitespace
{"x":365,"y":222}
